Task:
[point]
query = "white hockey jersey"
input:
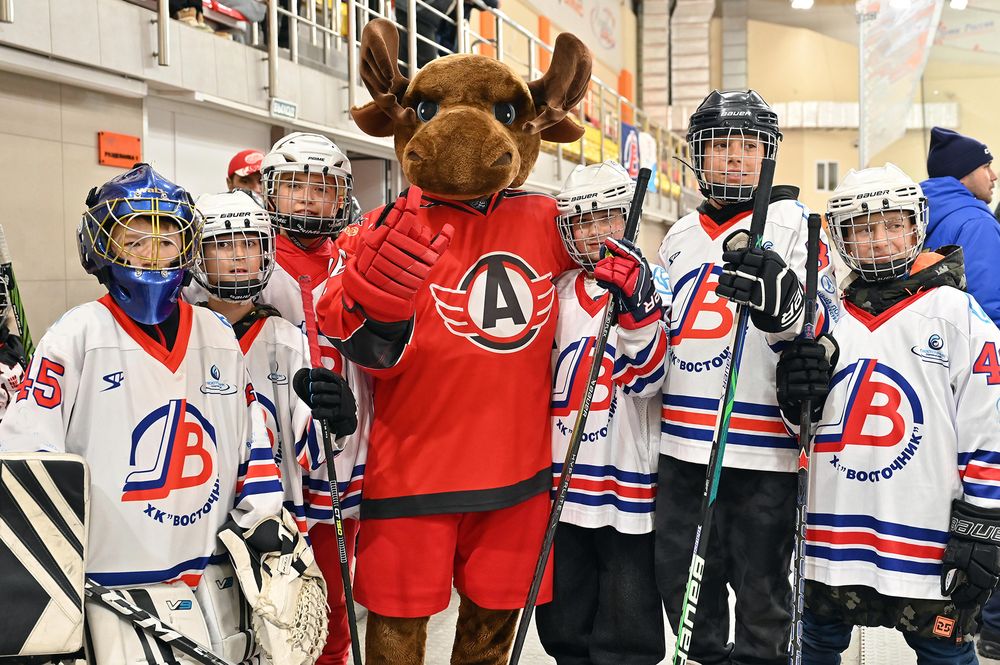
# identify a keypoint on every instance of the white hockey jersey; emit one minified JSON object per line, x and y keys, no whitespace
{"x":701,"y":324}
{"x":283,"y":292}
{"x":275,"y":349}
{"x":911,"y":422}
{"x":614,"y":478}
{"x":175,"y":440}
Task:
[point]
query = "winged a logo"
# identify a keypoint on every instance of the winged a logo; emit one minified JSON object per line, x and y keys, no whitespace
{"x":499,"y":304}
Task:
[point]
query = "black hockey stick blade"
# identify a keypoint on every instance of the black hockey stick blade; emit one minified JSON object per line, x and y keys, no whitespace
{"x":118,"y":602}
{"x":610,"y":315}
{"x":814,"y":224}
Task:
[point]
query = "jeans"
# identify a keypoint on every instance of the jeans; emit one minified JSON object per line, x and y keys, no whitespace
{"x":823,"y":640}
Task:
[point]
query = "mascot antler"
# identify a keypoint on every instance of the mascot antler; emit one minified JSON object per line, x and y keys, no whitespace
{"x":560,"y":89}
{"x":380,"y":73}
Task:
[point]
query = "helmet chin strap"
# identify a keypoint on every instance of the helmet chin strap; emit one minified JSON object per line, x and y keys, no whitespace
{"x":296,"y":239}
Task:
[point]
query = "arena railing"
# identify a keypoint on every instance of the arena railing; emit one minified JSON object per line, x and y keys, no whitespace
{"x":323,"y":29}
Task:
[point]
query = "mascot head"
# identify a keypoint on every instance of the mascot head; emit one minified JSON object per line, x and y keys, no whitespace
{"x":467,"y":126}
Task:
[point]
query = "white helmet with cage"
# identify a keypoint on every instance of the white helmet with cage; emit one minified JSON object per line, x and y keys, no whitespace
{"x":307,"y":185}
{"x":877,"y":218}
{"x":236,"y":256}
{"x":592,"y":205}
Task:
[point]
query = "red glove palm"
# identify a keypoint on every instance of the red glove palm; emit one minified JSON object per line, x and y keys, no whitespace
{"x":393,"y":261}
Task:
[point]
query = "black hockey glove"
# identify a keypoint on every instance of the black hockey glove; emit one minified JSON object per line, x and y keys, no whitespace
{"x":759,"y":278}
{"x":971,"y":565}
{"x":329,"y":397}
{"x":12,"y":352}
{"x":803,"y":374}
{"x":625,"y":273}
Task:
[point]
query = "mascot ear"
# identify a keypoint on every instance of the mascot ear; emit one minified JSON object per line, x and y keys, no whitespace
{"x":380,"y":73}
{"x":560,"y":89}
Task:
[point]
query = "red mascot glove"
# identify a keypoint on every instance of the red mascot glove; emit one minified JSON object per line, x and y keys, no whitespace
{"x":393,"y":261}
{"x":627,"y":276}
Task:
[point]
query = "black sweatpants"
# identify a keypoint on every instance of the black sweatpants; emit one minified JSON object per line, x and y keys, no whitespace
{"x":749,"y":548}
{"x":605,"y":609}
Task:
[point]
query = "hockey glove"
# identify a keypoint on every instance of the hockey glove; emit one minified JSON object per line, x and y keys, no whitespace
{"x":625,"y":273}
{"x":329,"y":397}
{"x":803,"y":374}
{"x":760,"y":278}
{"x":393,"y":261}
{"x":12,"y":352}
{"x":971,"y":565}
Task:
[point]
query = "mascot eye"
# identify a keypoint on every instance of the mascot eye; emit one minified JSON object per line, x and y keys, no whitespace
{"x":426,"y":110}
{"x":504,"y":112}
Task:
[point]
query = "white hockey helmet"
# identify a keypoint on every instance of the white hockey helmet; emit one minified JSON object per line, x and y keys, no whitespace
{"x":307,"y":185}
{"x":236,"y":256}
{"x":591,"y":197}
{"x":867,"y":218}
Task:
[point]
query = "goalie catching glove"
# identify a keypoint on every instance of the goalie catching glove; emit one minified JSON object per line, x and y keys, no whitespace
{"x":393,"y":261}
{"x":971,"y":565}
{"x":284,"y":587}
{"x":625,"y":273}
{"x":760,"y":278}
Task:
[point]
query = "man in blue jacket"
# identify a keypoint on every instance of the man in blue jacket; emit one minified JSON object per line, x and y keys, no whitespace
{"x":959,"y":192}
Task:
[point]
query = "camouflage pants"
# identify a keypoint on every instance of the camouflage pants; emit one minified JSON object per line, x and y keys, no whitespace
{"x":917,"y":617}
{"x":750,"y":549}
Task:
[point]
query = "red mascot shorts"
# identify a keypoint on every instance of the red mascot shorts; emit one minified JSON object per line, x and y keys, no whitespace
{"x":324,"y":542}
{"x":406,"y":565}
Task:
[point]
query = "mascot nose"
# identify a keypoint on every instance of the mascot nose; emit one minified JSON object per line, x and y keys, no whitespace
{"x":413,"y":155}
{"x":503,"y":160}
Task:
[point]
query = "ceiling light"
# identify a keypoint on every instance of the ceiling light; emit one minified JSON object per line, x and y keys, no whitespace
{"x":958,"y":4}
{"x":802,"y":4}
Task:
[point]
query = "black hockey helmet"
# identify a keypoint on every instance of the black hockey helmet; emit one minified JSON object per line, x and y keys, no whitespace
{"x":726,"y":114}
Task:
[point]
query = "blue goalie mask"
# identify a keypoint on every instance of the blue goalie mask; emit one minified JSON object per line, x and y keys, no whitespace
{"x":138,"y":237}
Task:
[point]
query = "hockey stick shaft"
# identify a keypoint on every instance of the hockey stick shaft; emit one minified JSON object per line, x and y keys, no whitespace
{"x":312,"y":333}
{"x":118,"y":602}
{"x":713,"y":471}
{"x":610,"y":315}
{"x":16,"y":303}
{"x":805,"y":435}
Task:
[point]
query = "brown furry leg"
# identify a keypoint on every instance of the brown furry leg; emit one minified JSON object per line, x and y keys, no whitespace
{"x":395,"y":641}
{"x":483,"y":637}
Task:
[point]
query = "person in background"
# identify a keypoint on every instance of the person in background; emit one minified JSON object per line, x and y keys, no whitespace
{"x":244,"y":171}
{"x":959,"y":191}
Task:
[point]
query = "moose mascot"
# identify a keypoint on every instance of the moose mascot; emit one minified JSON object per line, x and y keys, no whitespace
{"x":448,"y":301}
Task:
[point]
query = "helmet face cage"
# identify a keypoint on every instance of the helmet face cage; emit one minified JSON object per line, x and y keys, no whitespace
{"x":584,"y":233}
{"x":145,"y":234}
{"x":236,"y":264}
{"x":306,"y":201}
{"x":882,"y":242}
{"x":726,"y":160}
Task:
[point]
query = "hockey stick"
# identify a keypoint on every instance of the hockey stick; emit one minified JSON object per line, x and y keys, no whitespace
{"x":309,"y":313}
{"x":17,"y":305}
{"x":713,"y":471}
{"x":118,"y":602}
{"x":610,"y":317}
{"x":805,"y":437}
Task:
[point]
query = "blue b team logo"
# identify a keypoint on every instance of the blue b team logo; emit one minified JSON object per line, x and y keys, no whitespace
{"x":697,"y":312}
{"x":880,"y":426}
{"x":173,"y":456}
{"x":571,"y":373}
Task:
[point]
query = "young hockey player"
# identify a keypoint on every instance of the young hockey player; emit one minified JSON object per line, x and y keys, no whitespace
{"x":751,"y":535}
{"x":903,"y":501}
{"x":12,"y":360}
{"x":307,"y":191}
{"x":603,"y":553}
{"x":235,"y":263}
{"x":154,"y":394}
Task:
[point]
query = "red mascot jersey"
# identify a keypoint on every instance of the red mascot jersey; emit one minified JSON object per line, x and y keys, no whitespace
{"x":462,"y":417}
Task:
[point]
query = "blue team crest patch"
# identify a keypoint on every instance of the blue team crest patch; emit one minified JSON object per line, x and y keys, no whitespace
{"x":932,"y":353}
{"x":277,"y":377}
{"x":661,"y":281}
{"x":214,"y":386}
